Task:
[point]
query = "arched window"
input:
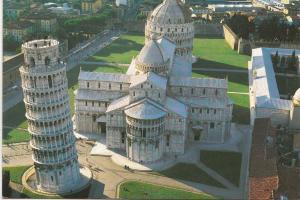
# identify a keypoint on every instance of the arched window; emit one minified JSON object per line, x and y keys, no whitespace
{"x":47,"y":60}
{"x":50,"y":81}
{"x":32,"y":62}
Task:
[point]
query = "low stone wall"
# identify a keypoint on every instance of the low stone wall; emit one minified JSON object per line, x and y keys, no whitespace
{"x":230,"y":37}
{"x":205,"y":29}
{"x":11,"y":74}
{"x":30,"y":172}
{"x":208,"y":29}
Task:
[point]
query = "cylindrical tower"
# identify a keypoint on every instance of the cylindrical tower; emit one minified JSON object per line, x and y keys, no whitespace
{"x":46,"y":99}
{"x":145,"y":125}
{"x":172,"y":19}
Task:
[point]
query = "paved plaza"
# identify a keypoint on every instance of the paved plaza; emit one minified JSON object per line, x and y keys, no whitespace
{"x":108,"y":172}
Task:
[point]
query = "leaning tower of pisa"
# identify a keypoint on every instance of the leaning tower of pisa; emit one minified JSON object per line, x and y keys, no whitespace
{"x":46,"y":99}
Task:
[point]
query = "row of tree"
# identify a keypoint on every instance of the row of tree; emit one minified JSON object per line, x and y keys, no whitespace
{"x":269,"y":29}
{"x":240,"y":25}
{"x":275,"y":28}
{"x":88,"y":24}
{"x":291,"y":61}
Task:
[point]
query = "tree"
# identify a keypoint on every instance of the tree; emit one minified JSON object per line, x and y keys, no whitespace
{"x":5,"y":187}
{"x":240,"y":25}
{"x":275,"y":60}
{"x":10,"y":44}
{"x":293,"y":62}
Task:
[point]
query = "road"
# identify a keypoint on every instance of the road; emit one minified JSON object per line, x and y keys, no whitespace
{"x":77,"y":54}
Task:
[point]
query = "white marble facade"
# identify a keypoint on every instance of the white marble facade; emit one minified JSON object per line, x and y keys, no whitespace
{"x":156,"y":108}
{"x":46,"y":99}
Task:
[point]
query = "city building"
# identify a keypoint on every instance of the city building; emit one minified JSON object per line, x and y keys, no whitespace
{"x":43,"y":21}
{"x":265,"y":100}
{"x":156,"y":108}
{"x":18,"y":30}
{"x":91,"y":6}
{"x":45,"y":89}
{"x":13,"y":11}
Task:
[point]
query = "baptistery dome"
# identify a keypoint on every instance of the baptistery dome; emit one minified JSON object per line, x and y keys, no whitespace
{"x":171,"y":12}
{"x":172,"y":19}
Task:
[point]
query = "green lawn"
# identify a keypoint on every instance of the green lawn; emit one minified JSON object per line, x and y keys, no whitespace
{"x":189,"y":172}
{"x":140,"y":190}
{"x":15,"y":117}
{"x":216,"y":53}
{"x":120,"y":51}
{"x":227,"y":164}
{"x":16,"y":173}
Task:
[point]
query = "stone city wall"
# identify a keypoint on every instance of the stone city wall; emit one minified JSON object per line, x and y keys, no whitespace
{"x":231,"y":38}
{"x":209,"y":29}
{"x":245,"y":46}
{"x":200,"y":28}
{"x":11,"y":74}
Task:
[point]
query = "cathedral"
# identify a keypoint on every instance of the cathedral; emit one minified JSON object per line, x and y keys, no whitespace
{"x":157,"y":108}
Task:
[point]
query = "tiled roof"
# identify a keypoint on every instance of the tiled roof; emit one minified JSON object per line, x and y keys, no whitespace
{"x":154,"y":79}
{"x":263,"y":174}
{"x":106,"y":77}
{"x":198,"y":82}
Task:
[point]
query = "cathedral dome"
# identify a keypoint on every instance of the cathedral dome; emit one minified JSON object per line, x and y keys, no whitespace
{"x":296,"y":98}
{"x":152,"y":58}
{"x":151,"y":54}
{"x":171,"y":12}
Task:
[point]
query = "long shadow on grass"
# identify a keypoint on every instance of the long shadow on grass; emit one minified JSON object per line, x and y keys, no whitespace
{"x":190,"y":172}
{"x":118,"y":47}
{"x":240,"y":114}
{"x":203,"y":63}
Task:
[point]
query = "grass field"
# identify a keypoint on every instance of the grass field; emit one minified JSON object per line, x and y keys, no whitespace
{"x":16,"y":173}
{"x":216,"y":53}
{"x":189,"y":172}
{"x":120,"y":51}
{"x":140,"y":190}
{"x":227,"y":164}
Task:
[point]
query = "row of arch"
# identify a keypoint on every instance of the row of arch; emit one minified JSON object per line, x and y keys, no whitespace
{"x":58,"y":141}
{"x":43,"y":82}
{"x":57,"y":156}
{"x":47,"y":61}
{"x":53,"y":128}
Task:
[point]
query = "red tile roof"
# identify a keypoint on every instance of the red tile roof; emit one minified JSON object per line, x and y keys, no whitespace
{"x":263,"y":175}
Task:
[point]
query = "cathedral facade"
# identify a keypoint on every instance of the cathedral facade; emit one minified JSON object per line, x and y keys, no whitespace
{"x":156,"y":108}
